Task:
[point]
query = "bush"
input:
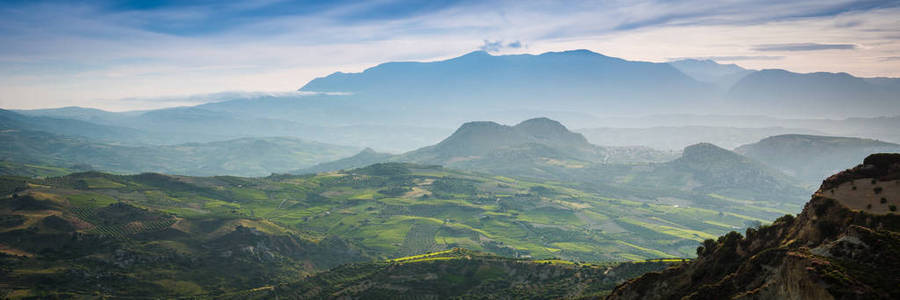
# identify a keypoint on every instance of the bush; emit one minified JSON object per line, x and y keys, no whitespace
{"x":893,"y":207}
{"x":787,"y":219}
{"x":709,"y":246}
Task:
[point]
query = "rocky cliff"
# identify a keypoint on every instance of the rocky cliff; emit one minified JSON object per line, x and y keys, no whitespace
{"x":844,"y":245}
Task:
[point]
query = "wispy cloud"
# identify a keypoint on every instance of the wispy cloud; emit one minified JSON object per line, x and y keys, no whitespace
{"x":731,"y":58}
{"x":496,"y":46}
{"x":58,"y":53}
{"x":803,"y":47}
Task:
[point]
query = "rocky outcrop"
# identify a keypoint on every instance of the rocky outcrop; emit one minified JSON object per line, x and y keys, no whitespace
{"x":834,"y":249}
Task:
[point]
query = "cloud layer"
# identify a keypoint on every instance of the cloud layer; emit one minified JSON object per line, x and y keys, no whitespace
{"x":61,"y":53}
{"x":804,"y":47}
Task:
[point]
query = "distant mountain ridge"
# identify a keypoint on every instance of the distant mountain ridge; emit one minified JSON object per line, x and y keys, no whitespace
{"x":722,"y":75}
{"x":364,"y":158}
{"x":420,"y":102}
{"x":678,"y":137}
{"x":820,"y":93}
{"x":582,"y":80}
{"x":574,"y":80}
{"x":811,"y":157}
{"x":245,"y":156}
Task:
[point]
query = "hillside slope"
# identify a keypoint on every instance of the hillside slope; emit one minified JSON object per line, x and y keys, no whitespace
{"x":844,"y":245}
{"x":99,"y":235}
{"x":466,"y":274}
{"x":364,"y":158}
{"x":812,"y":158}
{"x":245,"y":156}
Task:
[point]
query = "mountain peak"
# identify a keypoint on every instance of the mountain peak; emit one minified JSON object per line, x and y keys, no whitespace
{"x":477,"y":53}
{"x":367,"y":150}
{"x":541,"y":122}
{"x":550,"y":131}
{"x":479,"y":124}
{"x":483,"y":137}
{"x":574,"y":52}
{"x":705,"y":150}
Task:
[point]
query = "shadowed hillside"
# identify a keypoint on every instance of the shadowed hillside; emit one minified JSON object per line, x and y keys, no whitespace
{"x":811,"y":158}
{"x":843,"y":245}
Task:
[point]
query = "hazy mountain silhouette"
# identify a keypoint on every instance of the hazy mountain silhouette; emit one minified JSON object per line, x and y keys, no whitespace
{"x":705,"y":70}
{"x":573,"y":80}
{"x":813,"y":94}
{"x":811,"y":158}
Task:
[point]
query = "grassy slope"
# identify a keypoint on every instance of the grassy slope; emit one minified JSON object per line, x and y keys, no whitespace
{"x":465,"y":273}
{"x":296,"y":224}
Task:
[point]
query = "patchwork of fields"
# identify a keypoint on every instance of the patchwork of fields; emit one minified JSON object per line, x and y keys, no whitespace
{"x":393,"y":210}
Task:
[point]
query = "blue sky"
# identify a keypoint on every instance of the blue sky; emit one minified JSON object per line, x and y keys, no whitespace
{"x":95,"y":53}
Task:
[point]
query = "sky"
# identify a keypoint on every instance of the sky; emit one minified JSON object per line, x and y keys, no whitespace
{"x":129,"y":55}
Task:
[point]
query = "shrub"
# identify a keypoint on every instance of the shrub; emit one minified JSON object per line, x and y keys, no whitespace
{"x":877,"y":190}
{"x":893,"y":207}
{"x":787,"y":219}
{"x":883,"y":200}
{"x":709,"y":245}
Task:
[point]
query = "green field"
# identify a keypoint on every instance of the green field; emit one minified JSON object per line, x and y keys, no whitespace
{"x":284,"y":225}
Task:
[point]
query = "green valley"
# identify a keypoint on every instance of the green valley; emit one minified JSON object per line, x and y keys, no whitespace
{"x":251,"y":232}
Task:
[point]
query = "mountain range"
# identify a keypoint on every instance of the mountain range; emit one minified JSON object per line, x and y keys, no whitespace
{"x":419,"y":103}
{"x":585,"y":81}
{"x":538,"y":148}
{"x":544,"y":149}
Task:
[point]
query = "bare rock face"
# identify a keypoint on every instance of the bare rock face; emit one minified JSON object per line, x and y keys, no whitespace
{"x":844,"y":245}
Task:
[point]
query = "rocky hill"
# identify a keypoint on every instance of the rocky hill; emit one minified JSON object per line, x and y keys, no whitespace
{"x":844,"y":245}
